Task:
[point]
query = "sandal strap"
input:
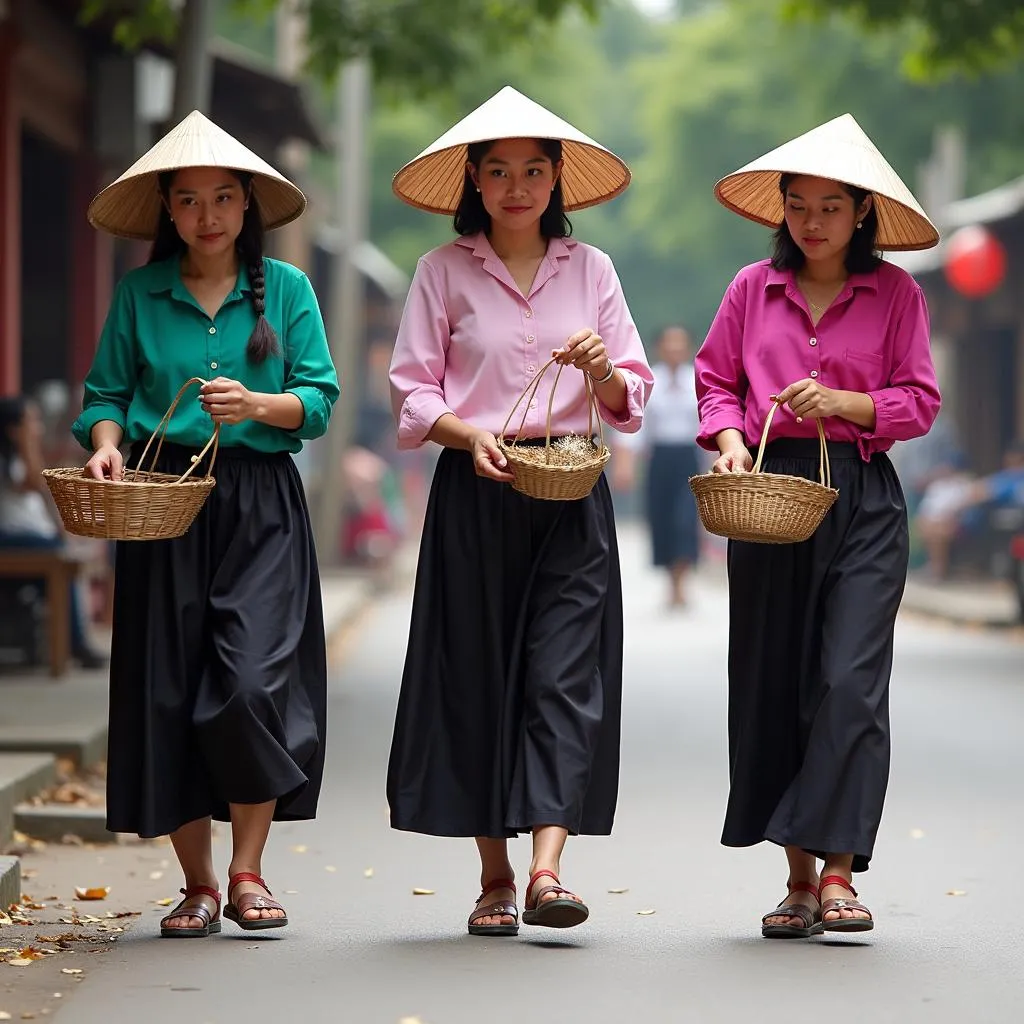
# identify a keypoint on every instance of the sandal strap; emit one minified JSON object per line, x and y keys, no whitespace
{"x":500,"y":909}
{"x":835,"y":880}
{"x":784,"y":909}
{"x":498,"y":883}
{"x":835,"y":905}
{"x":200,"y":910}
{"x":252,"y":901}
{"x":246,"y":876}
{"x":201,"y":890}
{"x":808,"y":887}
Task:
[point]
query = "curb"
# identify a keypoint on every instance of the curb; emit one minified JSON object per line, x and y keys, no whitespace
{"x":53,"y":823}
{"x":10,"y":881}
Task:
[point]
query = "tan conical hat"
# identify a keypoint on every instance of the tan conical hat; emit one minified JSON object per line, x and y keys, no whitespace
{"x":433,"y":181}
{"x":130,"y":207}
{"x":841,"y":151}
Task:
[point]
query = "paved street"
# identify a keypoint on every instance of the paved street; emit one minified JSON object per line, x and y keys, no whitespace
{"x":365,"y":950}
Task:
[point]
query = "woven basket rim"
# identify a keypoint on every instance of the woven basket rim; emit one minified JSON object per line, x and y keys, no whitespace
{"x":77,"y":474}
{"x":754,"y":481}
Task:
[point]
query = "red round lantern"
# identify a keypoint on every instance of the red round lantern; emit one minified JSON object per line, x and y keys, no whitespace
{"x":975,"y":262}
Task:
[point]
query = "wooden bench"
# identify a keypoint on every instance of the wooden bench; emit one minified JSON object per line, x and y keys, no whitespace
{"x":58,"y":570}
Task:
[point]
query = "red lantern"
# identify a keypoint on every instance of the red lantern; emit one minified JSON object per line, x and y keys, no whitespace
{"x":975,"y":261}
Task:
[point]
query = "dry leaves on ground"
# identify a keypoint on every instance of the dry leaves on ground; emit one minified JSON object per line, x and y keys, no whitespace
{"x":100,"y":892}
{"x":423,"y":892}
{"x":617,"y":892}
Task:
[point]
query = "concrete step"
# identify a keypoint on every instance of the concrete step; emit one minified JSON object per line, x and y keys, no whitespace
{"x":21,"y":777}
{"x":53,"y":822}
{"x":10,"y":881}
{"x":84,"y":741}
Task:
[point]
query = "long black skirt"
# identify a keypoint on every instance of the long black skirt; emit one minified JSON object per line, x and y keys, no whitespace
{"x":810,"y":655}
{"x":509,"y":710}
{"x":218,"y":671}
{"x":671,"y":509}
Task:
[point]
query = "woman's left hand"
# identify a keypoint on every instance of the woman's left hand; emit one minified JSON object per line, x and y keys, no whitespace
{"x":810,"y":400}
{"x":585,"y":350}
{"x":227,"y":401}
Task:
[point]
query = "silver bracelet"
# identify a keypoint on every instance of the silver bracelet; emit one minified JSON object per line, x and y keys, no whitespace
{"x":607,"y":377}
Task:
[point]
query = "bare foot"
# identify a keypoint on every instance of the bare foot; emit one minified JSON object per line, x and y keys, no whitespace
{"x":243,"y":888}
{"x":800,"y":899}
{"x":501,"y":895}
{"x":840,"y":892}
{"x":188,"y":921}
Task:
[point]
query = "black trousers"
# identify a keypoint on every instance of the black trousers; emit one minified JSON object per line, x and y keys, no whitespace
{"x":509,"y":710}
{"x":218,"y":672}
{"x":810,"y":656}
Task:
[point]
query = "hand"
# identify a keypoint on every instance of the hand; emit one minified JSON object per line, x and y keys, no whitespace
{"x":810,"y":400}
{"x":487,"y":458}
{"x":738,"y":460}
{"x":585,"y":350}
{"x":106,"y":464}
{"x":226,"y":401}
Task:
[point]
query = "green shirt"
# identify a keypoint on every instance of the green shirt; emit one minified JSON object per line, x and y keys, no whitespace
{"x":157,"y":336}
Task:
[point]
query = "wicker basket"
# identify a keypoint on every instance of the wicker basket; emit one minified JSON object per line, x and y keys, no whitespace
{"x":145,"y":505}
{"x":766,"y":508}
{"x":549,"y":473}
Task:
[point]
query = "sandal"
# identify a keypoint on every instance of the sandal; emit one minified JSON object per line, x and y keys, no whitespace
{"x":844,"y":924}
{"x":250,"y":901}
{"x":500,"y":909}
{"x":556,"y":913}
{"x":811,"y":918}
{"x":211,"y":922}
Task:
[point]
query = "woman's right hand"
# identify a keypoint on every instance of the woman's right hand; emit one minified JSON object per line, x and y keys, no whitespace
{"x":737,"y":460}
{"x":106,"y":464}
{"x":487,"y":458}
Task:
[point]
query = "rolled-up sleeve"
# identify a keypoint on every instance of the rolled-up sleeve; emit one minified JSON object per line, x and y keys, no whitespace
{"x":310,"y":374}
{"x":418,"y":361}
{"x":720,"y":379}
{"x":907,"y":407}
{"x":625,"y":350}
{"x":113,"y":377}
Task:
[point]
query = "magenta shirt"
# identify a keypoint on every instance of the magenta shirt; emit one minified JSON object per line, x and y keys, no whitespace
{"x":470,"y":341}
{"x":874,"y":339}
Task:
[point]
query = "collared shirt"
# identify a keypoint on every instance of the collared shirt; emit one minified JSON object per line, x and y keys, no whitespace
{"x":157,"y":336}
{"x":470,"y":342}
{"x":873,"y":339}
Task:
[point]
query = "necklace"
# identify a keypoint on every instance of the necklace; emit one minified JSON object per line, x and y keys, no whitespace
{"x":818,"y":309}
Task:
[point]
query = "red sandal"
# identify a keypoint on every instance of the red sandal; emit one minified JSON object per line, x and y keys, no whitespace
{"x":844,"y":924}
{"x":810,"y":917}
{"x":250,"y":901}
{"x":503,"y":908}
{"x":556,"y":913}
{"x":211,"y":922}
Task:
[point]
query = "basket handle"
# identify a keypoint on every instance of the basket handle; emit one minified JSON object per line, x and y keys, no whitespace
{"x":164,"y":423}
{"x":530,"y":391}
{"x":824,"y":466}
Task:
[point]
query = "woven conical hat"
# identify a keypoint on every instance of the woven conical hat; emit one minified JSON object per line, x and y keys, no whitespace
{"x":130,"y":207}
{"x":433,"y":181}
{"x":841,"y":151}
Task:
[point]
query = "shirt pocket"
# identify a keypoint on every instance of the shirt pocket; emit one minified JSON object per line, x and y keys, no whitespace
{"x":865,"y":369}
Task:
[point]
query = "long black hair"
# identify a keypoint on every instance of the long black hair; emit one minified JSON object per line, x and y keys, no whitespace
{"x":862,"y":255}
{"x":471,"y":217}
{"x":249,"y":246}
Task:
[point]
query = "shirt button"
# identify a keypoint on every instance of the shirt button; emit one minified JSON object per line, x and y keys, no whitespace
{"x":813,"y":341}
{"x":814,"y":373}
{"x":213,"y":330}
{"x":531,"y":367}
{"x":529,"y":313}
{"x":213,"y":366}
{"x":529,"y":337}
{"x":533,"y":404}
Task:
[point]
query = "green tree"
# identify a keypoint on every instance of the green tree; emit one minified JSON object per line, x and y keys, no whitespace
{"x":944,"y":36}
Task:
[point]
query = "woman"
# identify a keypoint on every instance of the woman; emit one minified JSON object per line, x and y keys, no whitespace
{"x":218,"y":670}
{"x":27,"y":516}
{"x":828,"y":331}
{"x":508,"y":719}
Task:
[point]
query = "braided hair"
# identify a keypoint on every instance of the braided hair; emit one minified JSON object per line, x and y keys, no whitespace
{"x":249,"y":246}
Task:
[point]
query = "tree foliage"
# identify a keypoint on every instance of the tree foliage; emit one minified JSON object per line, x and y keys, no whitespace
{"x":945,"y":36}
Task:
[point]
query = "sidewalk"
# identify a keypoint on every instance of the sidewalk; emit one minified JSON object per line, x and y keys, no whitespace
{"x":984,"y":603}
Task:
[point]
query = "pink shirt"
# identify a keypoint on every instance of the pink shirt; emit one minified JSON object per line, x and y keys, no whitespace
{"x":873,"y":339}
{"x":470,"y":341}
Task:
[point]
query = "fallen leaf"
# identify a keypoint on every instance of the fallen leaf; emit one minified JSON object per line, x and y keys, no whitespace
{"x":916,"y":833}
{"x":410,"y":1020}
{"x":155,"y":876}
{"x":617,"y":892}
{"x":331,"y":868}
{"x":291,"y":892}
{"x":4,"y":1015}
{"x":423,"y":892}
{"x":96,"y":893}
{"x":21,"y":961}
{"x":165,"y":902}
{"x":368,"y":873}
{"x":956,"y":892}
{"x":299,"y":849}
{"x":645,"y":913}
{"x":5,"y":919}
{"x":71,"y":970}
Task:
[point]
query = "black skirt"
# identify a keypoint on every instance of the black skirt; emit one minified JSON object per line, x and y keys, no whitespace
{"x":509,"y":710}
{"x":810,"y":655}
{"x":671,"y":509}
{"x":218,"y":671}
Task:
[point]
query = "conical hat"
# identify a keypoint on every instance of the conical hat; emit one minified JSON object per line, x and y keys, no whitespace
{"x":841,"y":151}
{"x":433,"y":181}
{"x":130,"y":207}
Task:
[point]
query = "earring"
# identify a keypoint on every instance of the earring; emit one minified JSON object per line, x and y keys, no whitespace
{"x":860,"y":224}
{"x":478,"y":188}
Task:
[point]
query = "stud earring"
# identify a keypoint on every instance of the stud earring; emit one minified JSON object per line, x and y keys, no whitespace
{"x":860,"y":224}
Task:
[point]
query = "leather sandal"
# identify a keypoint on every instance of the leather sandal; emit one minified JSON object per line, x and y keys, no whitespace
{"x":234,"y":911}
{"x":503,"y":908}
{"x":811,"y":918}
{"x":211,"y":922}
{"x":844,"y":924}
{"x":556,"y":913}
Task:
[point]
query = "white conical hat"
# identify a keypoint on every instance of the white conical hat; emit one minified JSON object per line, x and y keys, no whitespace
{"x":841,"y":151}
{"x":130,"y":207}
{"x":433,"y":181}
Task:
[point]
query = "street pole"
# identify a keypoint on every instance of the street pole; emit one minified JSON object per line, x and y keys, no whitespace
{"x":192,"y":66}
{"x":345,"y":314}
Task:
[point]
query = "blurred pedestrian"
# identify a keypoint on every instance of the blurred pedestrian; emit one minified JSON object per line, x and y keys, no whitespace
{"x":508,"y":718}
{"x":829,"y":331}
{"x":218,"y":672}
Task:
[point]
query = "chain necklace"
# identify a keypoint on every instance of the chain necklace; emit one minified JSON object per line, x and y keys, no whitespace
{"x":817,"y":309}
